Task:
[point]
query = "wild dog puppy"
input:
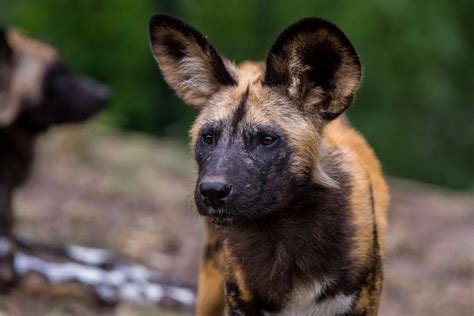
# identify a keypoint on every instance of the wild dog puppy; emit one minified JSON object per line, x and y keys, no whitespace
{"x":294,"y":198}
{"x":36,"y":91}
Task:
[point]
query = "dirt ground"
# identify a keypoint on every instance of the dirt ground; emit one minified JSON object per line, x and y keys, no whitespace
{"x":133,"y":194}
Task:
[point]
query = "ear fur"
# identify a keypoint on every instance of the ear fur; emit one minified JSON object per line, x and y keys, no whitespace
{"x":190,"y":65}
{"x":316,"y":65}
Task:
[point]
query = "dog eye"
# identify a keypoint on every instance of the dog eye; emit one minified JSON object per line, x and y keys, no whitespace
{"x":267,"y":140}
{"x":207,"y":139}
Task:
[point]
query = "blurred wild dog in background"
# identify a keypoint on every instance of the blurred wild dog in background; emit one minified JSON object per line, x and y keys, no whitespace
{"x":36,"y":91}
{"x":294,"y":198}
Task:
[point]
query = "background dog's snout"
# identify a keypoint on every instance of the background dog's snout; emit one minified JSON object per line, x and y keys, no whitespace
{"x":90,"y":96}
{"x":98,"y":92}
{"x":214,"y":192}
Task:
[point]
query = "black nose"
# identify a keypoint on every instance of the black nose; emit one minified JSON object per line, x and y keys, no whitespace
{"x":214,"y":192}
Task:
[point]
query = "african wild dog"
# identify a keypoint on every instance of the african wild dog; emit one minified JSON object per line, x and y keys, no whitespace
{"x":294,"y":198}
{"x":36,"y":91}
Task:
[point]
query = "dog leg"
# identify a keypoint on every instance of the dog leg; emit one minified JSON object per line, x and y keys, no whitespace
{"x":7,"y":246}
{"x":210,"y":300}
{"x":6,"y":214}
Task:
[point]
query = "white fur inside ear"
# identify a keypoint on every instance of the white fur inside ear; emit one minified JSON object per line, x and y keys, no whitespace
{"x":196,"y":76}
{"x":192,"y":76}
{"x":296,"y":70}
{"x":314,"y":97}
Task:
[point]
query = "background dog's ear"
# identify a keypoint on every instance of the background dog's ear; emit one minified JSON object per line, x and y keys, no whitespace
{"x":190,"y":65}
{"x":316,"y":65}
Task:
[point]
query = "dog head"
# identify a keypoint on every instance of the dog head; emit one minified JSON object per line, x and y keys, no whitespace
{"x":37,"y":90}
{"x":257,"y":135}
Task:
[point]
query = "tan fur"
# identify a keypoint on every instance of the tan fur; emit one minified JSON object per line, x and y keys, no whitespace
{"x":210,"y":299}
{"x":365,"y":170}
{"x":262,"y":102}
{"x":31,"y":61}
{"x":347,"y":76}
{"x":191,"y":77}
{"x":234,"y":272}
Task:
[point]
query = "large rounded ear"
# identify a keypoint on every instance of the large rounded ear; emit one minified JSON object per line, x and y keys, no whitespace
{"x":316,"y":65}
{"x":190,"y":65}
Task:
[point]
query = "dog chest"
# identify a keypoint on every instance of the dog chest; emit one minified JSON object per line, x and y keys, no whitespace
{"x":305,"y":302}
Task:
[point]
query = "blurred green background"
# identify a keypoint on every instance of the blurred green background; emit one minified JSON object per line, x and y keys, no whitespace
{"x":415,"y":105}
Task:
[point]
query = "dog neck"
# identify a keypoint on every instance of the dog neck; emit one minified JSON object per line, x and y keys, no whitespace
{"x":309,"y":240}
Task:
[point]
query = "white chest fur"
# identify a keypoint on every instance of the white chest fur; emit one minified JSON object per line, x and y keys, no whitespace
{"x":304,"y":302}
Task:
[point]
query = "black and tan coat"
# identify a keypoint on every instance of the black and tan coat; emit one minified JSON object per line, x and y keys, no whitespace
{"x":294,"y":199}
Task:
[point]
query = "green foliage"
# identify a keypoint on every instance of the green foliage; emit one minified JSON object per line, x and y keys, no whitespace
{"x":415,"y":105}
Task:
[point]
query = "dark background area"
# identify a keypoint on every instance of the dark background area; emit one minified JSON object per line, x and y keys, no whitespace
{"x":415,"y":105}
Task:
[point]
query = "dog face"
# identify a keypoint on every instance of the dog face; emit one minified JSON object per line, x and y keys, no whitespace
{"x":37,"y":90}
{"x":256,"y":138}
